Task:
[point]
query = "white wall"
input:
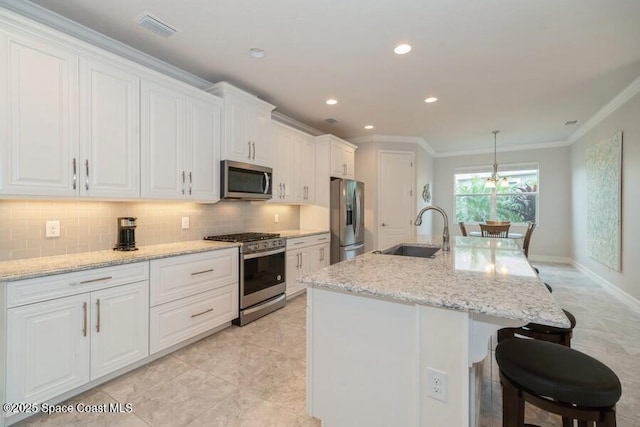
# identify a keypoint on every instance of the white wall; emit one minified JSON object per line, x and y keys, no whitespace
{"x":625,"y":119}
{"x":367,"y":172}
{"x":552,"y":237}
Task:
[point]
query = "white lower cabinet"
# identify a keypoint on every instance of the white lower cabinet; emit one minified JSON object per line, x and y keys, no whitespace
{"x":191,"y":294}
{"x":56,"y":345}
{"x":305,"y":255}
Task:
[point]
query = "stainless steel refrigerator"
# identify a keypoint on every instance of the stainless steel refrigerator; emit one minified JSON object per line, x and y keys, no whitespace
{"x":347,"y":219}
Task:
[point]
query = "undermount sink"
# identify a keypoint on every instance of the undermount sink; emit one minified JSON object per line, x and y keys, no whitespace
{"x":405,"y":249}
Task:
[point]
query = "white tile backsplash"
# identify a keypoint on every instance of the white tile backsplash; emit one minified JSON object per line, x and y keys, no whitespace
{"x":92,"y":226}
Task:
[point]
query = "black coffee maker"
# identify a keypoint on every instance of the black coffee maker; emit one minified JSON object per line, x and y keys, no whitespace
{"x":126,"y":234}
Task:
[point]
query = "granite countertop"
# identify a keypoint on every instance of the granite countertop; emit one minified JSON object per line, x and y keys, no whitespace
{"x":292,"y":234}
{"x":45,"y":266}
{"x":480,"y":275}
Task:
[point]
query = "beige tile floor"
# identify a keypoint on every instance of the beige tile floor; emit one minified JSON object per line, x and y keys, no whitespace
{"x":255,"y":376}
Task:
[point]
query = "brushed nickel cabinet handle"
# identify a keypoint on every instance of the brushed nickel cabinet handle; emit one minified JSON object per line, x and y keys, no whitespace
{"x":98,"y":320}
{"x":249,"y":157}
{"x":84,"y":324}
{"x":190,"y":182}
{"x":75,"y":174}
{"x":86,"y":177}
{"x":202,"y":272}
{"x":182,"y":182}
{"x":84,"y":282}
{"x":201,"y":313}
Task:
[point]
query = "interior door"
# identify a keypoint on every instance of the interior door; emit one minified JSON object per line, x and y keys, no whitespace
{"x":396,"y":204}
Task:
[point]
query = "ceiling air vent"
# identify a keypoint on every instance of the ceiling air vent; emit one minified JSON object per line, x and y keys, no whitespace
{"x":152,"y":23}
{"x":570,"y":122}
{"x":331,"y":120}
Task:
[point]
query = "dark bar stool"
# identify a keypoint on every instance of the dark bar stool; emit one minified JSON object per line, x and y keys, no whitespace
{"x":557,"y":379}
{"x":541,"y":332}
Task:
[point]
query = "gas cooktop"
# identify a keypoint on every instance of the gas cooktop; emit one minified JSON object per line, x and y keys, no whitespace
{"x":242,"y":237}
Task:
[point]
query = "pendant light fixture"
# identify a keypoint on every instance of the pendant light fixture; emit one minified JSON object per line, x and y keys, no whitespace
{"x":495,"y":179}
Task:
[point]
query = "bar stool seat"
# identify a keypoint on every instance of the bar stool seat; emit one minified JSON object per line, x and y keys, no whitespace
{"x":557,"y":379}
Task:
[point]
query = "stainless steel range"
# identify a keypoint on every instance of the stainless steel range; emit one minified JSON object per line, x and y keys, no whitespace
{"x":262,"y":273}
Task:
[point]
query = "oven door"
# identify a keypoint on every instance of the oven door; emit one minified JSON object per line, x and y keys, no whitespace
{"x":263,"y":277}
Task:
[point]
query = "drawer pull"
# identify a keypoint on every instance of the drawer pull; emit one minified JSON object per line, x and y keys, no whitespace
{"x":202,"y":272}
{"x":84,"y":282}
{"x":322,"y":238}
{"x":299,"y":243}
{"x":200,"y":314}
{"x":98,"y":315}
{"x":84,"y":325}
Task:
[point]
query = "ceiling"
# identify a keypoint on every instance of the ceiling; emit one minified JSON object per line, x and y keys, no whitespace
{"x":524,"y":67}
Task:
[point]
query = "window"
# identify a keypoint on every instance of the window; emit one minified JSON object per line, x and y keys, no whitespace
{"x":516,"y":201}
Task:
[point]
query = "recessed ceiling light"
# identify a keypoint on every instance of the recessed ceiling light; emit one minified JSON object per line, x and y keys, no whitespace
{"x":403,"y":48}
{"x":431,"y":99}
{"x":368,"y":127}
{"x":256,"y":52}
{"x":331,"y":101}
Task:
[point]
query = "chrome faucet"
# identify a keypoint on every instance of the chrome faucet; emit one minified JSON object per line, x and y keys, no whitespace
{"x":445,"y":232}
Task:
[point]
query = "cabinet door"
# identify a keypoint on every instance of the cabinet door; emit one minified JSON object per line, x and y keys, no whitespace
{"x":305,"y":168}
{"x":38,"y":117}
{"x":319,"y":257}
{"x":236,"y":144}
{"x":162,"y":142}
{"x":260,"y":134}
{"x":109,"y":131}
{"x":342,"y":160}
{"x":294,"y":270}
{"x":48,"y":348}
{"x":119,"y":327}
{"x":349,"y":158}
{"x":202,"y":150}
{"x":283,"y":165}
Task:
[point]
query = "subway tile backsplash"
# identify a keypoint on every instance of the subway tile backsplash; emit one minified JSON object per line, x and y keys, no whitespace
{"x":92,"y":226}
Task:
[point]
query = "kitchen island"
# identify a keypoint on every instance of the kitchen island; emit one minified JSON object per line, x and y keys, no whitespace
{"x":382,"y":328}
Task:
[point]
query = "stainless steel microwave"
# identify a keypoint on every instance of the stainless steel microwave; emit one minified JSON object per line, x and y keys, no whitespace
{"x":244,"y":181}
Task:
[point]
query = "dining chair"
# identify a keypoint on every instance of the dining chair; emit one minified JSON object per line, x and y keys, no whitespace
{"x":496,"y":222}
{"x":463,"y":229}
{"x":527,"y":238}
{"x":494,"y":230}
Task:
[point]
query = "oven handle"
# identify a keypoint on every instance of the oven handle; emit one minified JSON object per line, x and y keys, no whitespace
{"x":259,"y":254}
{"x":262,"y":306}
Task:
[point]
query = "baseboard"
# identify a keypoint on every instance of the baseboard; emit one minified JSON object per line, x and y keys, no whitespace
{"x":623,"y":296}
{"x":550,"y":259}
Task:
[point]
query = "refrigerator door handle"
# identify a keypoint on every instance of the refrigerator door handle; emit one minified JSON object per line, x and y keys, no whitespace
{"x":356,"y":195}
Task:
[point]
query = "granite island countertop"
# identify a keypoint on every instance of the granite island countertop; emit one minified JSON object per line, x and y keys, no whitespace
{"x":38,"y":267}
{"x":479,"y":275}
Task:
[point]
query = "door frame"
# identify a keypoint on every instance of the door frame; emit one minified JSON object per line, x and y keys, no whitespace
{"x":379,"y":156}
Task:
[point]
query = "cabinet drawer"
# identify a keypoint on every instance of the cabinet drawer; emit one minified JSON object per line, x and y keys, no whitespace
{"x":179,"y":320}
{"x":178,"y":277}
{"x":60,"y":285}
{"x":303,"y":242}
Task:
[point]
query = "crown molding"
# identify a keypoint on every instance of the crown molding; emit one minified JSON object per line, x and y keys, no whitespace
{"x":394,"y":138}
{"x":286,"y":120}
{"x":627,"y":93}
{"x":504,"y":149}
{"x":67,"y":26}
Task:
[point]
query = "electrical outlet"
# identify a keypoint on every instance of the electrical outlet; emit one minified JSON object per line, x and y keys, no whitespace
{"x":52,"y":228}
{"x":276,"y":218}
{"x":185,"y":222}
{"x":437,"y":384}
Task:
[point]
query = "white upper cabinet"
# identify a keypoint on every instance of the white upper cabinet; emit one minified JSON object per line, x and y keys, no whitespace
{"x":246,"y":134}
{"x":39,"y":117}
{"x":109,"y":130}
{"x":294,"y":165}
{"x":180,"y":134}
{"x":342,"y":159}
